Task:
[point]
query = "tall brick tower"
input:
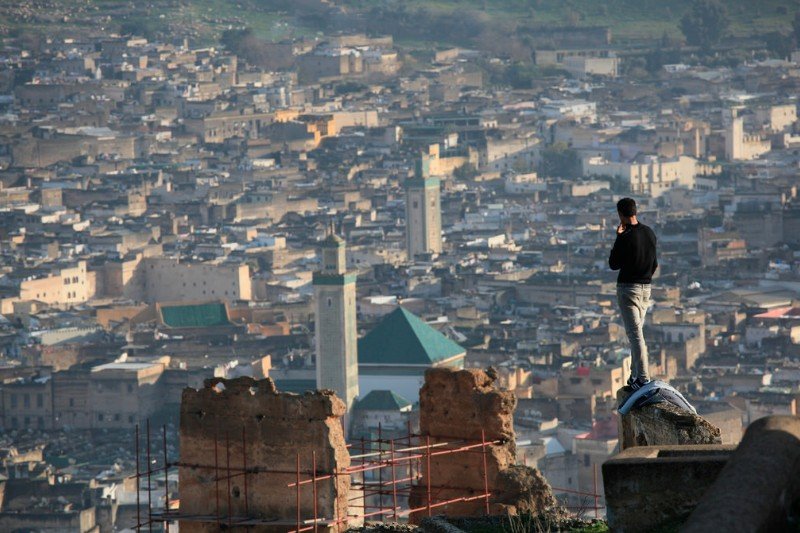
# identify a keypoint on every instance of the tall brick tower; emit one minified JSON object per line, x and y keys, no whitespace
{"x":335,"y":331}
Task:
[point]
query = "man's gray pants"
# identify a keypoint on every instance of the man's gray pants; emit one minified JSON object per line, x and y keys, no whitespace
{"x":633,"y":300}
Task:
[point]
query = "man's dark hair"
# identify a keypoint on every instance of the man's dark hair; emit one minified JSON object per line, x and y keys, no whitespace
{"x":627,"y":207}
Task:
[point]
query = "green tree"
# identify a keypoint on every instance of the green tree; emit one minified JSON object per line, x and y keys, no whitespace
{"x":560,"y":161}
{"x":779,"y":45}
{"x":705,"y":23}
{"x":466,"y":171}
{"x":796,"y":27}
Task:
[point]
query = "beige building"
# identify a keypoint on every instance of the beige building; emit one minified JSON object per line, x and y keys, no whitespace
{"x":28,"y":404}
{"x":515,"y":153}
{"x":318,"y":66}
{"x":740,"y":146}
{"x":64,"y":288}
{"x":598,"y":381}
{"x":777,"y":118}
{"x":38,"y":152}
{"x":444,"y":164}
{"x":167,"y":279}
{"x":222,"y":125}
{"x":716,"y":247}
{"x":602,"y":59}
{"x":683,"y":137}
{"x":580,"y":66}
{"x":122,"y":394}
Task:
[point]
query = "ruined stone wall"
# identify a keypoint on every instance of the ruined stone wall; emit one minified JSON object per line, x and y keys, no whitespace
{"x":277,"y":427}
{"x":466,"y":405}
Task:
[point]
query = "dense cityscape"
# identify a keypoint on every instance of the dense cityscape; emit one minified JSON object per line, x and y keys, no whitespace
{"x":346,"y":206}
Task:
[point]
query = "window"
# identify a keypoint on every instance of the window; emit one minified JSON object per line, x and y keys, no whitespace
{"x":39,"y":401}
{"x":130,"y":387}
{"x":330,"y":302}
{"x":116,"y":417}
{"x":130,"y":419}
{"x":14,"y":422}
{"x":575,"y":381}
{"x":26,"y":400}
{"x":40,"y":422}
{"x":416,"y":204}
{"x":13,"y":401}
{"x":72,"y":402}
{"x":587,"y":460}
{"x":100,"y":417}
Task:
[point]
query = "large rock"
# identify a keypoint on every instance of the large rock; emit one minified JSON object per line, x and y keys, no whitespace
{"x":523,"y":490}
{"x":664,"y":424}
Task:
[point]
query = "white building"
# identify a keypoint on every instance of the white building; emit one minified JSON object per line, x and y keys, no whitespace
{"x":649,"y":175}
{"x":570,"y":109}
{"x":738,"y":145}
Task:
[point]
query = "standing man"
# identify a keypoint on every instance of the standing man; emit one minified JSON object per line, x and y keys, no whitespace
{"x":634,"y":255}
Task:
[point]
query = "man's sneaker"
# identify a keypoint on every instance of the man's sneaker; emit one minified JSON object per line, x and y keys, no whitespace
{"x":636,"y":384}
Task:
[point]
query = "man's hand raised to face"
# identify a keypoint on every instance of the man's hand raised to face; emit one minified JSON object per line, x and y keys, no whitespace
{"x":621,"y":228}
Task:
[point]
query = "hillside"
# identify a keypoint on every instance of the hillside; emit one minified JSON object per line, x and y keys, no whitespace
{"x":424,"y":22}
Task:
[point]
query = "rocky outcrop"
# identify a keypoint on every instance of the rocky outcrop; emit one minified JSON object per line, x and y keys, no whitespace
{"x":247,"y":422}
{"x":523,"y":490}
{"x":466,"y":405}
{"x":664,"y":424}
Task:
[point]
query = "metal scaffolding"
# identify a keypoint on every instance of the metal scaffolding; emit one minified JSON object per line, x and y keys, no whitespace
{"x":383,"y":474}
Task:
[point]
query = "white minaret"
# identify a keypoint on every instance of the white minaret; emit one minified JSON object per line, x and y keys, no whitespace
{"x":335,"y":330}
{"x":734,"y":135}
{"x":423,"y":213}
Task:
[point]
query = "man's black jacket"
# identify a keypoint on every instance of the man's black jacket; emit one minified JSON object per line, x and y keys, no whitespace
{"x":634,"y":254}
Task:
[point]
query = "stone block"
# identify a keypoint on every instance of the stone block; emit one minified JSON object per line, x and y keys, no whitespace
{"x":759,"y":489}
{"x":647,"y":487}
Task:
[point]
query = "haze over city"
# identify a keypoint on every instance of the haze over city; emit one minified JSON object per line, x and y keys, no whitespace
{"x":409,"y":266}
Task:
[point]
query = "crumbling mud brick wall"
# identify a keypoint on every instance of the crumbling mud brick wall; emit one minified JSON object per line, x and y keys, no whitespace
{"x":466,"y":405}
{"x":276,"y":428}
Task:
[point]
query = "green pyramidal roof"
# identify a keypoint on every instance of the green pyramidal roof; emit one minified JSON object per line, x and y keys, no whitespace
{"x":195,"y":316}
{"x":402,"y":338}
{"x":382,"y":400}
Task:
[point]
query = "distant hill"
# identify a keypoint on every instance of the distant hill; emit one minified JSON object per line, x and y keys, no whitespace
{"x":446,"y":22}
